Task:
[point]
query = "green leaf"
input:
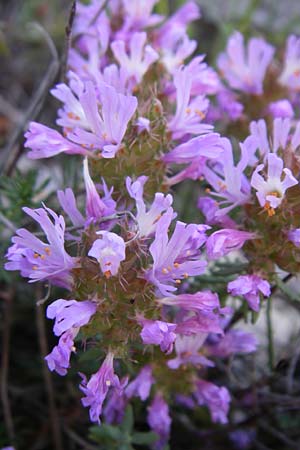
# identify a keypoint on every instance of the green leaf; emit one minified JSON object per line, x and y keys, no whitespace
{"x":128,"y":421}
{"x":144,"y":438}
{"x":105,"y":431}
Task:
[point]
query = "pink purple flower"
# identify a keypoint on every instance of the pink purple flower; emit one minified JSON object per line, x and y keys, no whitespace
{"x":38,"y":260}
{"x":96,"y":389}
{"x":158,"y":333}
{"x":159,"y":421}
{"x":176,"y":258}
{"x":290,"y":76}
{"x":234,"y":341}
{"x":245,"y":68}
{"x":216,"y":398}
{"x":187,"y":351}
{"x":109,"y":251}
{"x":70,"y":314}
{"x":271,"y":191}
{"x":222,"y":242}
{"x":250,"y":287}
{"x":294,"y":236}
{"x":59,"y":358}
{"x":147,"y":220}
{"x":141,"y":385}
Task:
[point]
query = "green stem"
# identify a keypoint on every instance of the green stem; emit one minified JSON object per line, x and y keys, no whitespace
{"x":270,"y":335}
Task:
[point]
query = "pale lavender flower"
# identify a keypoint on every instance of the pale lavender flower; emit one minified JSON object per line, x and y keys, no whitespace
{"x":95,"y":207}
{"x":172,"y":259}
{"x":147,"y":220}
{"x":229,"y":104}
{"x":109,"y":251}
{"x":294,"y":236}
{"x":200,"y":322}
{"x":205,"y":80}
{"x":271,"y":191}
{"x":283,"y":135}
{"x":59,"y":358}
{"x":290,"y":76}
{"x":140,"y":58}
{"x":189,"y":112}
{"x":96,"y":389}
{"x":115,"y":404}
{"x":105,"y":129}
{"x":38,"y":260}
{"x":67,"y":201}
{"x":45,"y":143}
{"x":222,"y":242}
{"x":172,"y":40}
{"x":250,"y":287}
{"x":245,"y":69}
{"x":200,"y":301}
{"x":209,"y":209}
{"x":138,"y":15}
{"x":187,"y":351}
{"x":143,"y":124}
{"x":141,"y":385}
{"x":216,"y":398}
{"x":229,"y":182}
{"x":281,"y":108}
{"x":194,"y":153}
{"x":234,"y":341}
{"x":158,"y":333}
{"x":70,"y":314}
{"x":159,"y":421}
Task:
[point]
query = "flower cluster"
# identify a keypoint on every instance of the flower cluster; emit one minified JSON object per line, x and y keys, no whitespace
{"x":143,"y":119}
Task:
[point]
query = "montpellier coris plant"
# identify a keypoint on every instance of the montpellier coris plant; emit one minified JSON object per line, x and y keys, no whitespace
{"x":141,"y":109}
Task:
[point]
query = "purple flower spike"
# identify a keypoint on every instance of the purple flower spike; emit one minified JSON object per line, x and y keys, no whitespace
{"x":250,"y":287}
{"x":187,"y":350}
{"x":216,"y":398}
{"x":225,"y":241}
{"x":174,"y":259}
{"x":38,"y":260}
{"x":140,"y":59}
{"x":159,"y":421}
{"x":158,"y":333}
{"x":235,"y":341}
{"x":70,"y":314}
{"x":245,"y":69}
{"x":270,"y":192}
{"x":98,"y":386}
{"x":59,"y":358}
{"x":109,"y":252}
{"x":141,"y":385}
